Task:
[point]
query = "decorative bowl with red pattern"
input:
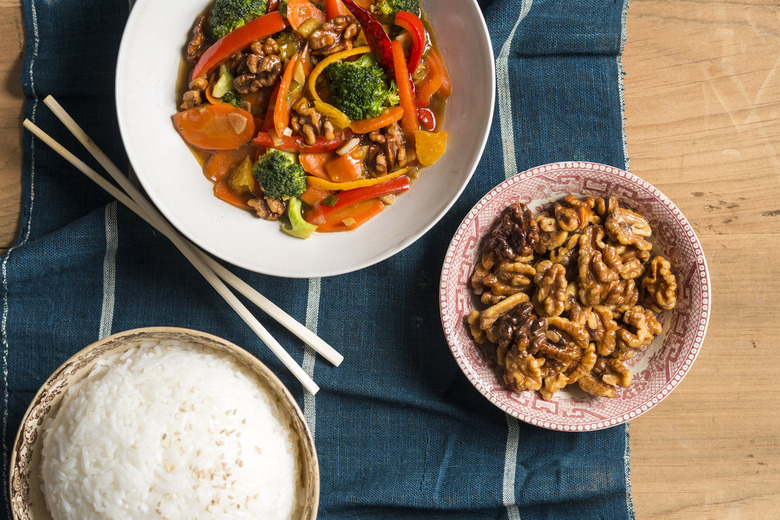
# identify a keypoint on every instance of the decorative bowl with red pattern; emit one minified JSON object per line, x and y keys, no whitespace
{"x":657,"y":369}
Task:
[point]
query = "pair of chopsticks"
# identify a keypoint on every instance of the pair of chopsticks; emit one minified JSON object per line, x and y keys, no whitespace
{"x":214,"y":273}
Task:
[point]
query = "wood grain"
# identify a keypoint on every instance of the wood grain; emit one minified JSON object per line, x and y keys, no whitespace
{"x":702,"y":91}
{"x":702,"y":107}
{"x":11,"y":101}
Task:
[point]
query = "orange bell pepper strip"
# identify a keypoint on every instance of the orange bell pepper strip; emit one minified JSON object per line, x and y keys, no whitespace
{"x":324,"y":184}
{"x":409,"y":121}
{"x":431,"y":83}
{"x":257,"y":29}
{"x":334,"y":8}
{"x":352,"y":217}
{"x":215,"y":127}
{"x":388,"y":116}
{"x":298,"y":11}
{"x":282,"y":104}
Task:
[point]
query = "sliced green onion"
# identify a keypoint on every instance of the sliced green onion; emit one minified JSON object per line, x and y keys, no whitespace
{"x":330,"y":201}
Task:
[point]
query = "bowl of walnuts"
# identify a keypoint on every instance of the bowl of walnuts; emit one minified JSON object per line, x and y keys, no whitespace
{"x":575,"y":296}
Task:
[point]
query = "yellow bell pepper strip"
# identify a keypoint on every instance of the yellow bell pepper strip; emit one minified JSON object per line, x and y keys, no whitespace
{"x":320,"y":212}
{"x":338,"y":117}
{"x":324,"y":184}
{"x":409,"y":121}
{"x":257,"y":29}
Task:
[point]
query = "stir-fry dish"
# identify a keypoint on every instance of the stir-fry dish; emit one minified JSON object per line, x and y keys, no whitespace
{"x":314,"y":113}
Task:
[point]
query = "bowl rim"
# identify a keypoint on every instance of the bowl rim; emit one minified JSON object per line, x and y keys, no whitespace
{"x":673,"y":380}
{"x":82,"y":361}
{"x":311,"y":270}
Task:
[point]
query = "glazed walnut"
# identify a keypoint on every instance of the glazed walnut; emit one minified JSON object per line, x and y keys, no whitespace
{"x":515,"y":234}
{"x":268,"y":208}
{"x":573,"y":214}
{"x":660,"y":285}
{"x":550,"y":295}
{"x":334,"y":36}
{"x":307,"y":121}
{"x":261,"y":67}
{"x":387,"y":150}
{"x":627,"y":227}
{"x":568,"y":295}
{"x":551,"y":236}
{"x":195,"y":47}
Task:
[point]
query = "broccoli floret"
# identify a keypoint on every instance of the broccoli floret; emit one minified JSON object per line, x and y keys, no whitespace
{"x":298,"y":227}
{"x":385,"y":9}
{"x":279,"y":175}
{"x":229,"y":15}
{"x":360,"y":88}
{"x":233,"y":97}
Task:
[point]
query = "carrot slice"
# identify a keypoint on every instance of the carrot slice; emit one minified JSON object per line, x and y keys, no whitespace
{"x":219,"y":166}
{"x":215,"y":127}
{"x":224,"y":193}
{"x":314,"y":195}
{"x":351,"y":217}
{"x":446,"y":86}
{"x":345,"y":168}
{"x":314,"y":163}
{"x":298,"y":11}
{"x":409,"y":121}
{"x":281,"y":107}
{"x":334,"y":8}
{"x":388,"y":116}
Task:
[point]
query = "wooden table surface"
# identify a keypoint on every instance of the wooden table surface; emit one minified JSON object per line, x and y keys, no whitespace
{"x":702,"y":89}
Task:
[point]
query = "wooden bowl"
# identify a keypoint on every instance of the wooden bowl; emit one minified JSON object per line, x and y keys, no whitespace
{"x":27,"y":500}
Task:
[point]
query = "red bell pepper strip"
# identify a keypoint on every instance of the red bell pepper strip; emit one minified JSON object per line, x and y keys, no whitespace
{"x":377,"y":38}
{"x":320,"y":212}
{"x":273,"y":5}
{"x":260,"y":27}
{"x":414,"y":26}
{"x":298,"y":144}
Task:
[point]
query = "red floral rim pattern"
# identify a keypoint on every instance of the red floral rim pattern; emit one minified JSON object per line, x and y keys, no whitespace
{"x":656,"y":370}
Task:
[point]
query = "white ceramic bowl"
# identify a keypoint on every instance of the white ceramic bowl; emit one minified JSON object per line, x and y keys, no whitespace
{"x":27,"y":501}
{"x":147,"y":71}
{"x":656,"y":370}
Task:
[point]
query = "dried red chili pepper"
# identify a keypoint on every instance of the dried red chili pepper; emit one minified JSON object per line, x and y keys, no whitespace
{"x":377,"y":38}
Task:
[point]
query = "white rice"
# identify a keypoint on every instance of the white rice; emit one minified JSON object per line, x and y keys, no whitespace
{"x":169,"y":430}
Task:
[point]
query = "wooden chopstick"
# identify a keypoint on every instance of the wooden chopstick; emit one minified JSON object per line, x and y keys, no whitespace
{"x":199,"y":260}
{"x":311,"y":339}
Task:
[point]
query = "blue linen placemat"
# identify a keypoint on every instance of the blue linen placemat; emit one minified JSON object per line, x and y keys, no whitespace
{"x":400,"y":431}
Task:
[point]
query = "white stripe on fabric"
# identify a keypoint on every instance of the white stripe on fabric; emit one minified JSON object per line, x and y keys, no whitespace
{"x":627,"y":449}
{"x":309,"y":356}
{"x":510,"y":463}
{"x":505,"y":96}
{"x":26,"y":226}
{"x":620,"y":84}
{"x":510,"y":169}
{"x":109,"y":270}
